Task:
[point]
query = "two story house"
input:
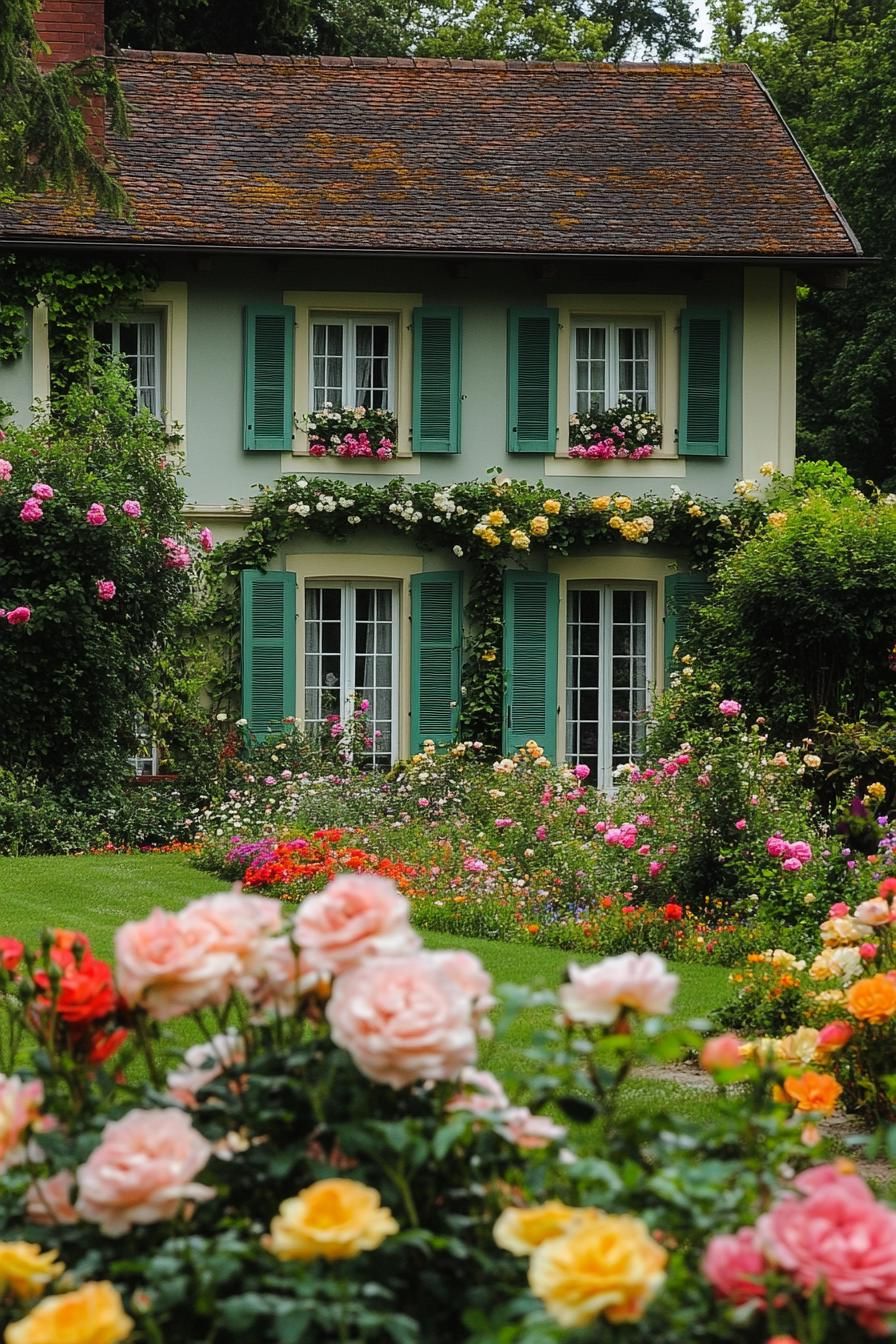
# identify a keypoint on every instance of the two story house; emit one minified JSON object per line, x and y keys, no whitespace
{"x":478,"y":251}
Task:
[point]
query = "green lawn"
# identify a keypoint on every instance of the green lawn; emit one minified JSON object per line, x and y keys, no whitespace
{"x":96,"y":893}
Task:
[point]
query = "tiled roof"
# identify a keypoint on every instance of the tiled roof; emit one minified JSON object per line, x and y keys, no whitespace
{"x":453,"y":157}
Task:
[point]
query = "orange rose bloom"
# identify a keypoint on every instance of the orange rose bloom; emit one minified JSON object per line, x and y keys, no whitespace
{"x":872,"y":1000}
{"x":813,"y":1091}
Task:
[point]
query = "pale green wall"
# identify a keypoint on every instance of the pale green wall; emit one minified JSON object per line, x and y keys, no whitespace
{"x":15,"y":384}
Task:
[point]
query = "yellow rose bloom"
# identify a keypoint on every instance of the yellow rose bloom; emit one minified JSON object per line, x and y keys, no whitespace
{"x":616,"y":522}
{"x":695,"y":511}
{"x":600,"y":503}
{"x":631,"y":531}
{"x":539,"y":525}
{"x":520,"y":1231}
{"x":519,"y":540}
{"x":877,"y":791}
{"x":622,"y":503}
{"x":605,"y":1265}
{"x":489,"y":656}
{"x":92,"y":1315}
{"x":767,"y":469}
{"x":777,"y":519}
{"x":330,"y":1220}
{"x":496,"y":518}
{"x":551,"y":506}
{"x":25,"y":1269}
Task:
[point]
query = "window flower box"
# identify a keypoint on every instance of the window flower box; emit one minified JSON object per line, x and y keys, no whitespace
{"x":620,"y":431}
{"x":351,"y":431}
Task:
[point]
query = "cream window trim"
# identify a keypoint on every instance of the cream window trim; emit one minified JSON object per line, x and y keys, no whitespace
{"x":665,"y":311}
{"x":640,"y":571}
{"x":40,"y":354}
{"x":345,"y":303}
{"x":170,"y":299}
{"x":315,"y":567}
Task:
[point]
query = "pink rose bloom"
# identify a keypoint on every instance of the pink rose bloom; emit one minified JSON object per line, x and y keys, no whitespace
{"x":41,"y":491}
{"x":834,"y":1035}
{"x":177,"y":556}
{"x":654,"y":868}
{"x":868,"y":951}
{"x":206,"y":540}
{"x":775,"y":847}
{"x":48,"y":1202}
{"x":132,"y":508}
{"x":204,"y":1063}
{"x":280,"y":979}
{"x":96,"y":515}
{"x":740,"y":824}
{"x":597,"y":995}
{"x":5,"y":469}
{"x":541,"y":832}
{"x":31,"y":511}
{"x":19,"y":616}
{"x":354,"y":917}
{"x":837,"y":1235}
{"x":875,"y":911}
{"x":581,"y":771}
{"x":471,"y":977}
{"x":800,"y":850}
{"x":235,"y":924}
{"x":791,"y":865}
{"x":482,"y":1093}
{"x":142,"y":1171}
{"x":170,"y":965}
{"x":721,"y":1052}
{"x":20,"y":1104}
{"x":520,"y":1127}
{"x":729,"y":708}
{"x":105,"y":590}
{"x":838,"y":910}
{"x":403,"y":1020}
{"x":733,"y":1264}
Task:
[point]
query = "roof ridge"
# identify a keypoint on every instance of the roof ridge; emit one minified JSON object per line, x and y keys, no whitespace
{"x":425,"y":62}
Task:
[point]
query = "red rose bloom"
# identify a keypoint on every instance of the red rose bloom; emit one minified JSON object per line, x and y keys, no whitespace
{"x":86,"y":989}
{"x":673,"y":911}
{"x":11,"y":951}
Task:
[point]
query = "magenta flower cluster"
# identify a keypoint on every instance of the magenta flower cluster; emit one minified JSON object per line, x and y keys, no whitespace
{"x":177,"y":556}
{"x":793,"y":854}
{"x":353,"y":445}
{"x":612,"y":445}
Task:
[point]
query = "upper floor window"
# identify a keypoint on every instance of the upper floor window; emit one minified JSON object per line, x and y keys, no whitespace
{"x":138,"y":341}
{"x":611,"y":360}
{"x":353,"y":362}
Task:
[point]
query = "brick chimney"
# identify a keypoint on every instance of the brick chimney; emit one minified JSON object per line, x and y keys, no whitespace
{"x":75,"y":30}
{"x":72,"y":29}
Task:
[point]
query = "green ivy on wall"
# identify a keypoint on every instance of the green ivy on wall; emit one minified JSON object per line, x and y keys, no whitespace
{"x":486,"y":525}
{"x":77,"y":291}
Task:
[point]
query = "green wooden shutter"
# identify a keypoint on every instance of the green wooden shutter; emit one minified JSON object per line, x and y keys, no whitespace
{"x":531,"y":614}
{"x":268,"y":647}
{"x":436,"y":399}
{"x":436,"y":639}
{"x":683,"y":593}
{"x":268,"y":379}
{"x":703,"y":410}
{"x":532,"y":380}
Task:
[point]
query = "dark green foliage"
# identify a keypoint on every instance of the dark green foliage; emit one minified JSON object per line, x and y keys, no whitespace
{"x":44,"y":140}
{"x":76,"y":675}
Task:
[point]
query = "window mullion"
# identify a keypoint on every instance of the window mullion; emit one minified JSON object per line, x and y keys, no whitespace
{"x":605,"y":692}
{"x":347,"y":646}
{"x":349,"y":363}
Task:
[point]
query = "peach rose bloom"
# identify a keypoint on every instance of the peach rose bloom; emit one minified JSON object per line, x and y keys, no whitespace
{"x":469,"y":974}
{"x":605,"y":1265}
{"x":236,"y":924}
{"x":25,"y":1270}
{"x":722,"y":1052}
{"x":402,"y":1020}
{"x":142,"y":1171}
{"x":94,"y":1314}
{"x":520,"y":1231}
{"x":48,"y":1201}
{"x":20,"y":1104}
{"x":334,"y":1219}
{"x":872,"y":1000}
{"x":875,"y":911}
{"x":203,"y":1063}
{"x":284,"y":977}
{"x":735,"y":1266}
{"x":356,"y":916}
{"x":170,"y":964}
{"x":835,"y":1234}
{"x":596,"y":995}
{"x":482,"y":1093}
{"x":519,"y":1126}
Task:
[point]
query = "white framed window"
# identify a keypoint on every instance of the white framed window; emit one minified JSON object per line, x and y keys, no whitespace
{"x":146,"y":759}
{"x":611,"y":359}
{"x":351,"y":654}
{"x":137,"y":340}
{"x":609,"y":656}
{"x":353,"y":361}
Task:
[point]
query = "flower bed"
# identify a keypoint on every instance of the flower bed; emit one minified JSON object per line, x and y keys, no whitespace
{"x":356,"y":431}
{"x":328,"y":1160}
{"x":618,"y":432}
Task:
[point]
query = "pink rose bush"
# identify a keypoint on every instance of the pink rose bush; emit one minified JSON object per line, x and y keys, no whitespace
{"x":352,"y":918}
{"x":599,"y":995}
